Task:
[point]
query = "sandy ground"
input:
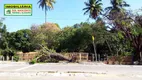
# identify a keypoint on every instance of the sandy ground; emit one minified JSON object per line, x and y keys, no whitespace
{"x":63,"y":71}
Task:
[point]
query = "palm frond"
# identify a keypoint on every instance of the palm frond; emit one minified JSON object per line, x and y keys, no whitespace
{"x":86,"y":12}
{"x":87,"y":4}
{"x":124,"y":5}
{"x":50,"y":3}
{"x":85,"y":8}
{"x":98,"y":1}
{"x":99,"y":4}
{"x":41,"y":4}
{"x":93,"y":7}
{"x":108,"y":8}
{"x":46,"y":3}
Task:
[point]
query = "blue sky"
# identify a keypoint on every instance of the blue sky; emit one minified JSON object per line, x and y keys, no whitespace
{"x":66,"y":12}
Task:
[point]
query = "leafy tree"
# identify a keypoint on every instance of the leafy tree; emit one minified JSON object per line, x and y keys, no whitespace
{"x":134,"y":35}
{"x":129,"y":26}
{"x":46,"y":35}
{"x":75,"y":38}
{"x":5,"y":43}
{"x":64,"y":37}
{"x":22,"y":40}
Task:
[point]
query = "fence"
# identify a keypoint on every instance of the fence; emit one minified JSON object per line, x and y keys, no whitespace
{"x":26,"y":56}
{"x":31,"y":55}
{"x":79,"y":56}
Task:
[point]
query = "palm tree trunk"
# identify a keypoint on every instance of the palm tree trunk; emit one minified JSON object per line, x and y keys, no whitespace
{"x":45,"y":13}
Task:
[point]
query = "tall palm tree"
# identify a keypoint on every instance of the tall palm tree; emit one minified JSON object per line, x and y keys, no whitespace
{"x":94,"y":8}
{"x":116,"y":8}
{"x":46,"y":5}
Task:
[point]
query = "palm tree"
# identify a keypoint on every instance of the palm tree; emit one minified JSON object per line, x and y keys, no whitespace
{"x":116,"y":8}
{"x":47,"y":5}
{"x":94,"y":8}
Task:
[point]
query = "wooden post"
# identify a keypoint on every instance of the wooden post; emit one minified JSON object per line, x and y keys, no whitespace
{"x":12,"y":59}
{"x":80,"y":56}
{"x":87,"y":57}
{"x":93,"y":57}
{"x":98,"y":57}
{"x":7,"y":58}
{"x":140,"y":56}
{"x":21,"y":57}
{"x":2,"y":58}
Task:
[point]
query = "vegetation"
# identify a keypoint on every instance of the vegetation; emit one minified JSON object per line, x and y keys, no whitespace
{"x":16,"y":58}
{"x":32,"y":61}
{"x":114,"y":35}
{"x":94,"y":8}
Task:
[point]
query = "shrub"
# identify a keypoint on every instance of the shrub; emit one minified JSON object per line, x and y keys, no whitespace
{"x":16,"y":58}
{"x":127,"y":54}
{"x":8,"y":52}
{"x":32,"y":61}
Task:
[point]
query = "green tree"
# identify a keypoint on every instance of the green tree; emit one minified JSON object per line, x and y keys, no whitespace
{"x":22,"y":40}
{"x":6,"y":49}
{"x":4,"y":34}
{"x":64,"y":37}
{"x":46,"y":5}
{"x":45,"y":34}
{"x":94,"y":8}
{"x":76,"y":38}
{"x":117,"y":8}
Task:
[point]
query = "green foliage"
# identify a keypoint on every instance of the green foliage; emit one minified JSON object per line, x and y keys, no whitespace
{"x":75,"y":38}
{"x":94,"y":8}
{"x":117,"y":8}
{"x":120,"y":35}
{"x":123,"y":37}
{"x":127,"y":54}
{"x":45,"y":34}
{"x":44,"y":52}
{"x":20,"y":40}
{"x":46,"y":3}
{"x":33,"y":61}
{"x":8,"y":52}
{"x":16,"y":58}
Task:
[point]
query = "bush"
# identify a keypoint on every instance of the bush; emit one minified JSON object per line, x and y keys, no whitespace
{"x":16,"y":58}
{"x":32,"y":61}
{"x":127,"y":54}
{"x":8,"y":52}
